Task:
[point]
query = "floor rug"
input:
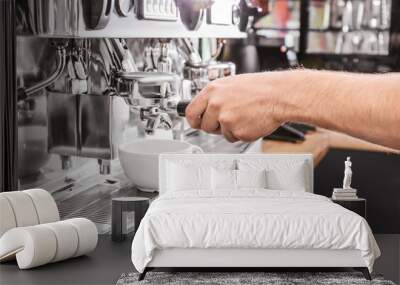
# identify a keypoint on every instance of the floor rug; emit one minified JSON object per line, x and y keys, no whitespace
{"x":244,"y":278}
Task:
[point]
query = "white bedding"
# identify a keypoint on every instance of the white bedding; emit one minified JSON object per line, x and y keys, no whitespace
{"x":251,"y":218}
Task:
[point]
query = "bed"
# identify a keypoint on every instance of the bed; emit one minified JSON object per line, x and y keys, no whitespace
{"x":247,"y":210}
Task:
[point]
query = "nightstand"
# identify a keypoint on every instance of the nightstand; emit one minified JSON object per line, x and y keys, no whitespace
{"x":358,"y":206}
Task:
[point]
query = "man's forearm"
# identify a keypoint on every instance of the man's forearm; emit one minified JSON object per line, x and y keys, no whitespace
{"x":249,"y":106}
{"x":363,"y":105}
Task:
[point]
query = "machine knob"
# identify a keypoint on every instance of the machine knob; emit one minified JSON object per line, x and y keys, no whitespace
{"x":97,"y":13}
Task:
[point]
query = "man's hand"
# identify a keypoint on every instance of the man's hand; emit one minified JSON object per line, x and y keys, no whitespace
{"x":238,"y":107}
{"x":249,"y":106}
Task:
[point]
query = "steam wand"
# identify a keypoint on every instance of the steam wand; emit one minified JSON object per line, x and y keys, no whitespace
{"x":25,"y":92}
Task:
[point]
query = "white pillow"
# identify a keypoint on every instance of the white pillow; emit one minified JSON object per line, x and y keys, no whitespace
{"x":288,"y":174}
{"x":183,"y":177}
{"x":292,"y":179}
{"x":251,"y":178}
{"x":223,"y":179}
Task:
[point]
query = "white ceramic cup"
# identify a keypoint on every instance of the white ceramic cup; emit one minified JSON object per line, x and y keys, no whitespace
{"x":139,"y":159}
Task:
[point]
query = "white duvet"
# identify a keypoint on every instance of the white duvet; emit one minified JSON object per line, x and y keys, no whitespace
{"x":250,"y":219}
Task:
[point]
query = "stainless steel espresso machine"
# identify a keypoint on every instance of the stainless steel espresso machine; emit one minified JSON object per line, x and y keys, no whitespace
{"x":92,"y":74}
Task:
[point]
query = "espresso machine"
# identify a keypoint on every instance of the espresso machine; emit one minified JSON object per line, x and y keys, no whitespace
{"x":93,"y":74}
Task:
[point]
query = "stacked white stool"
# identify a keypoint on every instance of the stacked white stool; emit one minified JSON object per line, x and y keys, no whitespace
{"x":31,"y":231}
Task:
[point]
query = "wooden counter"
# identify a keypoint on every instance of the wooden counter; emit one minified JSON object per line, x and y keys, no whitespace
{"x":318,"y":143}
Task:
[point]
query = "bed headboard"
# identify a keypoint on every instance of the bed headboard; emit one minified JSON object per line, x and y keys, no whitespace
{"x":275,"y":161}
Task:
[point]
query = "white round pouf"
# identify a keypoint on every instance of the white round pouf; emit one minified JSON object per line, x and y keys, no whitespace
{"x":30,"y":230}
{"x":7,"y":218}
{"x":23,"y":208}
{"x":67,"y":240}
{"x":45,"y":205}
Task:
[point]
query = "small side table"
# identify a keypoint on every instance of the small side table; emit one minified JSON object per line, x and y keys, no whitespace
{"x":120,"y":207}
{"x":358,"y":206}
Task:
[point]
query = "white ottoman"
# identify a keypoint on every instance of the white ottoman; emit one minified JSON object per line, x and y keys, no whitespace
{"x":30,"y":230}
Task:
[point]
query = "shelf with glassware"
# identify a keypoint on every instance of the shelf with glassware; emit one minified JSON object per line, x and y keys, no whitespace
{"x":367,"y":42}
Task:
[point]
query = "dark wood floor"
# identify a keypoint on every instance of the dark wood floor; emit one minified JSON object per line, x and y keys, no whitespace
{"x":103,"y":266}
{"x":110,"y":260}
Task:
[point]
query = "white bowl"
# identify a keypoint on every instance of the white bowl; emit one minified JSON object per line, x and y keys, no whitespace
{"x":139,"y":159}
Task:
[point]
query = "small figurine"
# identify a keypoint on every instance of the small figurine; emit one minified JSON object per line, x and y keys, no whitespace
{"x":348,"y":173}
{"x":347,"y":192}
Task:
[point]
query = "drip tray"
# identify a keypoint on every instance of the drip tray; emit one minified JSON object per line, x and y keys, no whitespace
{"x":94,"y":204}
